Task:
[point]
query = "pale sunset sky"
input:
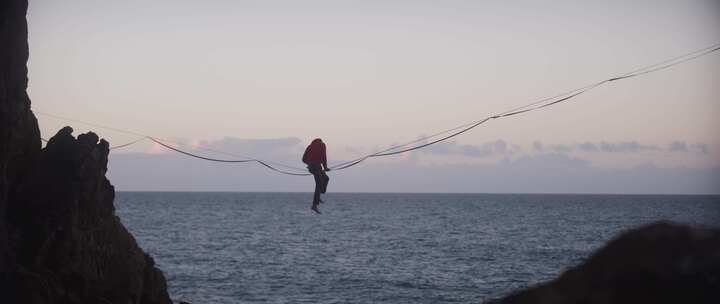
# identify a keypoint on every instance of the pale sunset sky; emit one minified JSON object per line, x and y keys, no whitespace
{"x":263,"y":78}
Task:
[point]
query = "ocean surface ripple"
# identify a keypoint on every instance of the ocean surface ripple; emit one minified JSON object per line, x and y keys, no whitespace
{"x":380,"y":248}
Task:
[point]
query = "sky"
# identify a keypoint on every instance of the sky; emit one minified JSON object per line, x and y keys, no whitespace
{"x":264,"y":78}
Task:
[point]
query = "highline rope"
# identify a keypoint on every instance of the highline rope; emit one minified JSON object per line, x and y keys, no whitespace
{"x":424,"y":141}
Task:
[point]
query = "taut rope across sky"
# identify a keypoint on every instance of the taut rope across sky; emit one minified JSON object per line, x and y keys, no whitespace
{"x":417,"y":143}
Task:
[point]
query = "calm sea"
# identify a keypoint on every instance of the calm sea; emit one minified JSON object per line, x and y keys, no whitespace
{"x":380,"y":248}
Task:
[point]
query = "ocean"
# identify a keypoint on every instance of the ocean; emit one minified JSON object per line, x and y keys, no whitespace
{"x":381,"y":248}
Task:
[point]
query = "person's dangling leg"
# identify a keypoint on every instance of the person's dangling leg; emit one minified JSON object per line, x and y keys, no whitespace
{"x":325,"y":181}
{"x":318,"y":188}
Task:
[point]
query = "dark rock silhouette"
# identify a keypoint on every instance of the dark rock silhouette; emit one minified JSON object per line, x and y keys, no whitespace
{"x":19,"y":134}
{"x":657,"y":263}
{"x":60,"y":240}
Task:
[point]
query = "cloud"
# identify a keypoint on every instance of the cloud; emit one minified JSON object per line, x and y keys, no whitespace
{"x":701,"y":148}
{"x":544,"y":168}
{"x":588,"y":147}
{"x":626,"y":147}
{"x":678,"y":146}
{"x":538,"y":146}
{"x":254,"y":147}
{"x":621,"y":147}
{"x":540,"y":173}
{"x":503,"y":148}
{"x":561,"y":148}
{"x":549,"y":161}
{"x":684,"y":147}
{"x":498,"y":147}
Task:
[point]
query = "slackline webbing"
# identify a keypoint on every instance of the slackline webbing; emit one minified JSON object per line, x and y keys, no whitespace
{"x":423,"y":141}
{"x":546,"y":102}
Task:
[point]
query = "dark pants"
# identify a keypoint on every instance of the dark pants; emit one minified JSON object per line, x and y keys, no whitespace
{"x":321,"y":181}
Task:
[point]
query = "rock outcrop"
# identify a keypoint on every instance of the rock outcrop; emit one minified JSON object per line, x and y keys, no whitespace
{"x":19,"y":135}
{"x":60,"y":240}
{"x":658,"y":263}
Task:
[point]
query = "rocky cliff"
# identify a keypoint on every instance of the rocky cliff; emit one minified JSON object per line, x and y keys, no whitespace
{"x":19,"y":135}
{"x":658,"y":263}
{"x":60,"y":240}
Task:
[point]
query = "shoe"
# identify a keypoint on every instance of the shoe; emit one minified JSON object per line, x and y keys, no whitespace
{"x":314,"y":208}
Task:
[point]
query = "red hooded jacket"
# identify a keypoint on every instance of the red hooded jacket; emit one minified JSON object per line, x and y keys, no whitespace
{"x":315,"y":153}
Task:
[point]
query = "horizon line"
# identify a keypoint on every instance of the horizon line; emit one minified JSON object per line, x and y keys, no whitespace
{"x":429,"y":193}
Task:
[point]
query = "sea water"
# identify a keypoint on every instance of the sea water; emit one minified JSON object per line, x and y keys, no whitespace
{"x":381,"y":248}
